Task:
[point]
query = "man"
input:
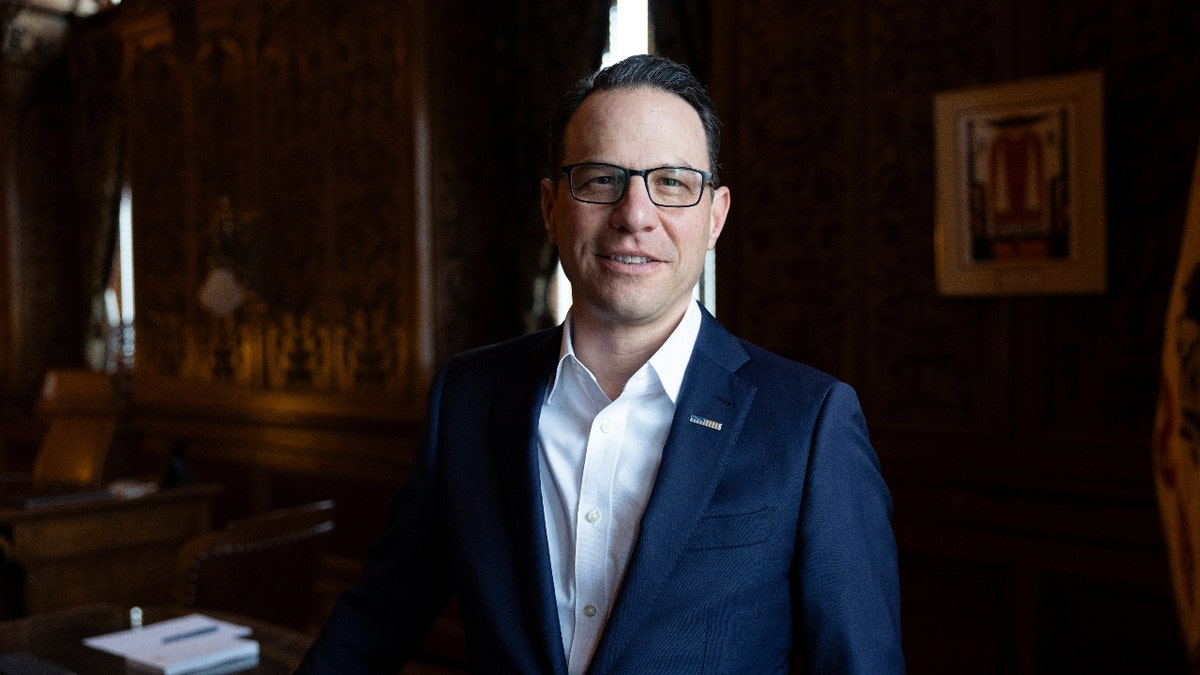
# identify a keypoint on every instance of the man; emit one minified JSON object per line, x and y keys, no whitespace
{"x":636,"y":491}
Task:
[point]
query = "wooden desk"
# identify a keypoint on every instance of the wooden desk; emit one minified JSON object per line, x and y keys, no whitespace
{"x":120,"y":550}
{"x":58,"y":637}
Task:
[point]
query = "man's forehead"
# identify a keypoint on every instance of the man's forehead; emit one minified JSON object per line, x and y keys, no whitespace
{"x":636,"y":118}
{"x":646,"y":99}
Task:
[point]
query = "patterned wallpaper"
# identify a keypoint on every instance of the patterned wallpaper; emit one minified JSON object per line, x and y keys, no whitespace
{"x":830,"y":156}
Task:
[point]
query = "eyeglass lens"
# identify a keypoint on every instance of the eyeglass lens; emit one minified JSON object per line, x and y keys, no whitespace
{"x":605,"y":184}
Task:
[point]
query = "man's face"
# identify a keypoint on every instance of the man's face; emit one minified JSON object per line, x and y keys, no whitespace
{"x":633,"y":262}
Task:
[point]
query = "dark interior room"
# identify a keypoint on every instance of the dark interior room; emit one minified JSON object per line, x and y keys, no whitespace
{"x":325,"y":199}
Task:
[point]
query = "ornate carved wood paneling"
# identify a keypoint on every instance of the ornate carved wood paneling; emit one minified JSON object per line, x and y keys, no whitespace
{"x":164,"y":263}
{"x":277,"y":144}
{"x":282,"y":255}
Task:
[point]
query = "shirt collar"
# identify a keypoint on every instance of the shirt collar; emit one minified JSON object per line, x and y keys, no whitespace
{"x":671,"y":360}
{"x":669,"y":363}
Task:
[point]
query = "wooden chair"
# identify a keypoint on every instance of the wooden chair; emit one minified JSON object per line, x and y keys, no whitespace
{"x":82,"y":413}
{"x":264,"y":567}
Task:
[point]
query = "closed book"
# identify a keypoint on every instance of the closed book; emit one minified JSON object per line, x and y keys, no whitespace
{"x":206,"y":655}
{"x":191,"y":645}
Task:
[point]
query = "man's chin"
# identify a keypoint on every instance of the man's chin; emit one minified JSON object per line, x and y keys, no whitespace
{"x":631,"y":312}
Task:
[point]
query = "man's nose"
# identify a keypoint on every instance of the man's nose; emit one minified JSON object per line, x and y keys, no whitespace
{"x":635,"y":211}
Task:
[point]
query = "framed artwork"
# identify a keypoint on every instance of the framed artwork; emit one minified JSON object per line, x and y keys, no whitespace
{"x":1020,"y":187}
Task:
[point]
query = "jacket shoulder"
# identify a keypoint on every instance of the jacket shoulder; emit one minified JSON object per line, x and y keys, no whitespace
{"x":757,"y":365}
{"x":764,"y":365}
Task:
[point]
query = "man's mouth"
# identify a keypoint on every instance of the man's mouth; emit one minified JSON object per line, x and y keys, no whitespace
{"x":630,"y":259}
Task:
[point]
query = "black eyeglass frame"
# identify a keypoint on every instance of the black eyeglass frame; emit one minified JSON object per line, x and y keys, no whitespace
{"x":645,"y":174}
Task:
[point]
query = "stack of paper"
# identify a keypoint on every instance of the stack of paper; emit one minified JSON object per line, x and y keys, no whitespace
{"x":190,"y":644}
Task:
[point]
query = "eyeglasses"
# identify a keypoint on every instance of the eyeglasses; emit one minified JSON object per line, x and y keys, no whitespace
{"x":598,"y":183}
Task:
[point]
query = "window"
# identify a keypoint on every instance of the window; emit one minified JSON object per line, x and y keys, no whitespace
{"x":114,"y":352}
{"x":124,"y":282}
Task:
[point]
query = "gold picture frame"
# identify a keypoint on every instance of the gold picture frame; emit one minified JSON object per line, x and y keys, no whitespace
{"x":1020,"y":187}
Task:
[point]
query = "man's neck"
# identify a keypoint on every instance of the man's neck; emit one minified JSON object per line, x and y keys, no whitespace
{"x":613,"y":352}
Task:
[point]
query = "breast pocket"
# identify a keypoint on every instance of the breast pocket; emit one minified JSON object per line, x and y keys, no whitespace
{"x":733,"y":530}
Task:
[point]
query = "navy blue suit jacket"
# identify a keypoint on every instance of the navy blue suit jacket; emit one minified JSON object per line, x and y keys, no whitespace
{"x":767,"y":536}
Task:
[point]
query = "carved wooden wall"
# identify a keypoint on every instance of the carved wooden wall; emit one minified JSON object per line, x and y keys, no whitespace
{"x":1015,"y":432}
{"x":370,"y":185}
{"x":278,"y":154}
{"x":277,"y":141}
{"x":367,"y":171}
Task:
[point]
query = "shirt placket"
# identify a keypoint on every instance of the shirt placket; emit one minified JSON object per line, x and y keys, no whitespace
{"x":593,"y":525}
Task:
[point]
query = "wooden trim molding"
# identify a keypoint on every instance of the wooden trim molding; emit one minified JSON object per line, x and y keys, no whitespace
{"x":348,"y":436}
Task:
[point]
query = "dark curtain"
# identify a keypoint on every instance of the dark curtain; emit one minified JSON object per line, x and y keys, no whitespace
{"x":98,"y":125}
{"x":492,"y":104}
{"x":567,"y":40}
{"x":682,"y":31}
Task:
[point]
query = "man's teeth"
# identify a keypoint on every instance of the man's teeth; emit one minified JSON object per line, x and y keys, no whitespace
{"x":630,"y":259}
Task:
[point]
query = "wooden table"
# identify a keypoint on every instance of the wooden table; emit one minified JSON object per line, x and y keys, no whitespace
{"x":117,"y":550}
{"x":57,"y":637}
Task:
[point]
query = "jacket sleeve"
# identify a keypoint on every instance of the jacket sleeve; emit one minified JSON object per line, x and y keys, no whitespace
{"x":407,"y":578}
{"x":845,"y":579}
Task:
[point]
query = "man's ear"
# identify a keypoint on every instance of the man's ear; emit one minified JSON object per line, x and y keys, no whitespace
{"x":719,"y":211}
{"x":549,"y":192}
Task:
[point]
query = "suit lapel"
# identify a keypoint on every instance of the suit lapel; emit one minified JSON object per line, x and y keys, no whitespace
{"x":522,"y":476}
{"x":708,"y":419}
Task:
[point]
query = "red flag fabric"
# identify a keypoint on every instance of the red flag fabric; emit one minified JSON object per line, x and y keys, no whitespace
{"x":1177,"y":429}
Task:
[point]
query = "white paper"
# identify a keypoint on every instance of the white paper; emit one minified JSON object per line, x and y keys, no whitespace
{"x":187,"y":644}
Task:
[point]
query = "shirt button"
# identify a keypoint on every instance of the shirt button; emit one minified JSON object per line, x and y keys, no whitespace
{"x":589,"y":611}
{"x":606,"y":427}
{"x":593,"y":516}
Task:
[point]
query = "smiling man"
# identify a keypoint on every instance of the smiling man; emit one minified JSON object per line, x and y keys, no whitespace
{"x":636,"y":490}
{"x":633,"y":255}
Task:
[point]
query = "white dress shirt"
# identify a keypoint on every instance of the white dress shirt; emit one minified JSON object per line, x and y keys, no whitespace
{"x":599,"y":459}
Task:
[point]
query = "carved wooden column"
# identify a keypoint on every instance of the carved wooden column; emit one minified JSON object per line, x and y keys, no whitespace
{"x":41,"y":318}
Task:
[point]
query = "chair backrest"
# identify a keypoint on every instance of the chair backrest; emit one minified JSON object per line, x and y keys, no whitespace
{"x":81,"y":411}
{"x":263,"y":567}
